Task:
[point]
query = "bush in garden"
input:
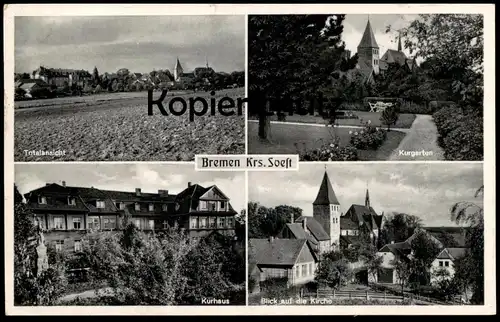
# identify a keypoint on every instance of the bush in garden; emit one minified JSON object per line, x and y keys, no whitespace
{"x":368,"y":138}
{"x":389,"y":116}
{"x":329,"y":152}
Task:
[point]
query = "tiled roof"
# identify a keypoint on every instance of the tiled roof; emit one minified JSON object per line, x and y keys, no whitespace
{"x":277,"y":251}
{"x":458,"y":234}
{"x":315,"y":228}
{"x":299,"y":233}
{"x":347,"y":223}
{"x":368,"y":39}
{"x":397,"y":56}
{"x":363,"y":214}
{"x":456,"y":252}
{"x":349,"y":239}
{"x":326,"y":195}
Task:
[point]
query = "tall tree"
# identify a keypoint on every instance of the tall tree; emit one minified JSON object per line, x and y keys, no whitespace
{"x":424,"y":251}
{"x":471,"y":214}
{"x":289,"y":56}
{"x":333,"y":271}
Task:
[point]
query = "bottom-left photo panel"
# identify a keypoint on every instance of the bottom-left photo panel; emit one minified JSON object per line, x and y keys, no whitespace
{"x":128,"y":234}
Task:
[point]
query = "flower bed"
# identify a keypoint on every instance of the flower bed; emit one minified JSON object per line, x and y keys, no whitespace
{"x":460,"y":135}
{"x":368,"y":138}
{"x":330,"y":152}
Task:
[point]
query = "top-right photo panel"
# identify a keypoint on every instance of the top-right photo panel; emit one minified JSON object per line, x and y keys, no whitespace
{"x":357,"y":87}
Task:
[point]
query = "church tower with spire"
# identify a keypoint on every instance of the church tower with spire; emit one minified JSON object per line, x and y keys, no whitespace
{"x":368,"y":50}
{"x":367,"y":199}
{"x":178,"y":71}
{"x":326,"y":210}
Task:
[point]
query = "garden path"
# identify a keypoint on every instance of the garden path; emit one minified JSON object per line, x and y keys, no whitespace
{"x":84,"y":295}
{"x":323,"y":125}
{"x":422,"y":137}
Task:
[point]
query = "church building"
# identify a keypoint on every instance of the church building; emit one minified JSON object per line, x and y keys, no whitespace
{"x":330,"y":229}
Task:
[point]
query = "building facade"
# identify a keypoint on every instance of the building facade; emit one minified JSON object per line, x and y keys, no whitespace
{"x":65,"y":214}
{"x":62,"y":77}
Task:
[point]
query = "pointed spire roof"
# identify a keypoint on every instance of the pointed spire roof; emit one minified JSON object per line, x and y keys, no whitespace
{"x":178,"y":64}
{"x":326,"y":195}
{"x":368,"y":39}
{"x":367,"y":199}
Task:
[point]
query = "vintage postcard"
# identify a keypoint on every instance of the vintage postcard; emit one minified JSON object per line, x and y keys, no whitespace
{"x":238,"y":159}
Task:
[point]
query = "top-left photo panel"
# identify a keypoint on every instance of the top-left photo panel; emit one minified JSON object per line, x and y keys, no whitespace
{"x":128,"y":88}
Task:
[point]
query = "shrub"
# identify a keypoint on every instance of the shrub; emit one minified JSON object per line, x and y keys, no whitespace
{"x":329,"y":152}
{"x":370,"y":137}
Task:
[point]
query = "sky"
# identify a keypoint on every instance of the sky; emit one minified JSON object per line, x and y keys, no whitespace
{"x":126,"y":177}
{"x":424,"y":190}
{"x":354,"y":26}
{"x":139,"y":43}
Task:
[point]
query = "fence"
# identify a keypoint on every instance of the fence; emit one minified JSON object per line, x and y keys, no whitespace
{"x":367,"y":295}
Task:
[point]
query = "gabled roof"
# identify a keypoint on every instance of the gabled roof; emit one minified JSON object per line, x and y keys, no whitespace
{"x":366,"y":215}
{"x":299,"y":233}
{"x":326,"y":195}
{"x":283,"y":252}
{"x":315,"y":228}
{"x":451,"y":253}
{"x":394,"y":56}
{"x":458,"y":234}
{"x":347,"y":223}
{"x":349,"y":239}
{"x":368,"y":39}
{"x":401,"y":249}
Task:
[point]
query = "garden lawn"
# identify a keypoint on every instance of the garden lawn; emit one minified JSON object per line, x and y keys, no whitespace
{"x":404,"y":122}
{"x":285,"y":139}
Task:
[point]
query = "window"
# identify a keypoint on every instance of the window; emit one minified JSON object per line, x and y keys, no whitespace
{"x":297,"y":271}
{"x":39,"y":221}
{"x":230,"y":222}
{"x":151,"y":224}
{"x":311,"y":271}
{"x":151,"y":207}
{"x":212,"y":222}
{"x":109,"y":223}
{"x":77,"y":223}
{"x":440,"y":263}
{"x":42,"y":200}
{"x":165,"y":207}
{"x":100,"y":204}
{"x":120,"y":205}
{"x":59,"y":245}
{"x":304,"y":270}
{"x":59,"y":222}
{"x":194,"y":222}
{"x":223,"y":205}
{"x":137,"y":223}
{"x":94,"y":223}
{"x":446,"y":264}
{"x":203,"y":222}
{"x":71,"y":201}
{"x":165,"y":224}
{"x":78,"y":246}
{"x":220,"y":222}
{"x":203,"y":205}
{"x":137,"y":207}
{"x":212,"y":206}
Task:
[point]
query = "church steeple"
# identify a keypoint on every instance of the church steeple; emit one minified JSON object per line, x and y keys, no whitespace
{"x":178,"y":71}
{"x":326,"y":195}
{"x":368,"y":39}
{"x":368,"y":50}
{"x":367,"y":199}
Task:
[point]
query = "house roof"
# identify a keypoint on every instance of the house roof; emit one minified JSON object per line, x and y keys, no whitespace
{"x":349,"y":239}
{"x":347,"y":223}
{"x":299,"y":233}
{"x":396,"y":56}
{"x":315,"y":228}
{"x":451,"y":253}
{"x":366,"y":215}
{"x":458,"y":235}
{"x":368,"y":39}
{"x":401,"y":249}
{"x":277,"y":251}
{"x":326,"y":195}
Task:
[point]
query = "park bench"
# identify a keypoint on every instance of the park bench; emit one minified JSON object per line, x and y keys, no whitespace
{"x":379,"y":106}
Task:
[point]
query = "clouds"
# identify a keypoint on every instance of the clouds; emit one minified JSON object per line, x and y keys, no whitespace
{"x":425,"y":190}
{"x":127,"y":177}
{"x":139,"y":43}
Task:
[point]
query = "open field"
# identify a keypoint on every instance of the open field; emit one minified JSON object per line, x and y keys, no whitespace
{"x":117,"y":127}
{"x":283,"y":139}
{"x":404,"y":122}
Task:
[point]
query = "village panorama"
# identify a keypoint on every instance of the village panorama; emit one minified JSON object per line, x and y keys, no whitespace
{"x":366,"y":235}
{"x":95,"y":104}
{"x":81,"y":238}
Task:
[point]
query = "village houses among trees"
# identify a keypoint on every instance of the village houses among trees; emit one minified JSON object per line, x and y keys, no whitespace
{"x":46,"y":82}
{"x":291,"y":253}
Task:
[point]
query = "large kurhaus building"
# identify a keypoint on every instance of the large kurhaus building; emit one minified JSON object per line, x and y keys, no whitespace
{"x":66,"y":213}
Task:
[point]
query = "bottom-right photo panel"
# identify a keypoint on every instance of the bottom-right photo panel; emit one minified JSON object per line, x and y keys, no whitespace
{"x":367,"y":234}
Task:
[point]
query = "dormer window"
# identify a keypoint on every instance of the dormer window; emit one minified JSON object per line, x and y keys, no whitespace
{"x":151,"y":207}
{"x":100,"y":204}
{"x":223,"y":205}
{"x":71,"y":201}
{"x":203,"y":205}
{"x":165,"y":207}
{"x":42,"y":200}
{"x":137,"y":207}
{"x":120,"y":205}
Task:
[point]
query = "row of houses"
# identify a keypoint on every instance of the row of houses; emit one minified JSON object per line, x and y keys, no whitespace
{"x":66,"y":213}
{"x":297,"y":250}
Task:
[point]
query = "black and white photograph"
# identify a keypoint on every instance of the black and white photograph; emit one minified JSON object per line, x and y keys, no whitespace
{"x":82,"y":86}
{"x":366,"y":87}
{"x":128,"y":234}
{"x":367,"y":234}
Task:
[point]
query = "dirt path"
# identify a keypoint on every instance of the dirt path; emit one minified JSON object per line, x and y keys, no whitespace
{"x":420,"y":143}
{"x":84,"y":295}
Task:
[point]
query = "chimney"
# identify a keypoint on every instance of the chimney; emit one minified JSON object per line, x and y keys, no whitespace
{"x":137,"y":192}
{"x":304,"y":223}
{"x":64,"y":183}
{"x":189,"y":184}
{"x":291,"y":219}
{"x":163,"y":193}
